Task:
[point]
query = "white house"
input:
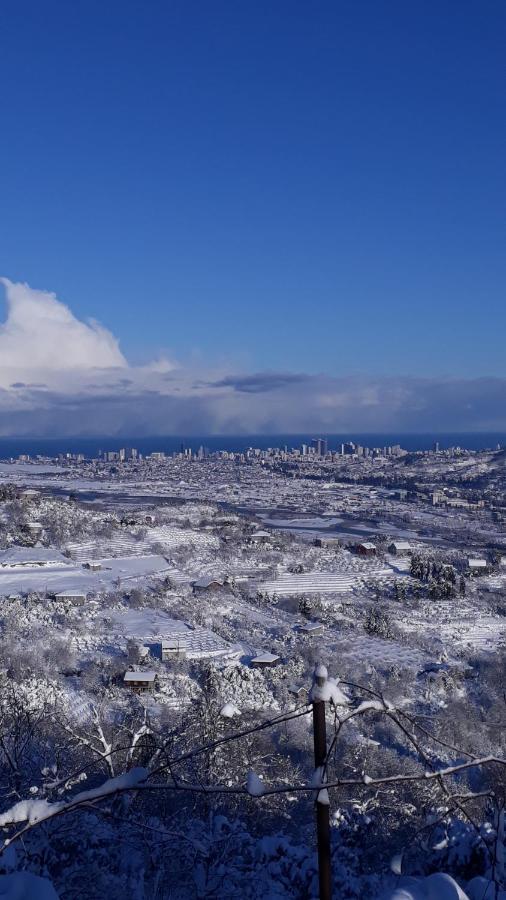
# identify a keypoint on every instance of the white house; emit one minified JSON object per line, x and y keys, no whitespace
{"x":312,"y":629}
{"x":264,"y":660}
{"x":260,"y":537}
{"x":77,"y":598}
{"x":477,"y":565}
{"x":172,"y":648}
{"x":399,"y":548}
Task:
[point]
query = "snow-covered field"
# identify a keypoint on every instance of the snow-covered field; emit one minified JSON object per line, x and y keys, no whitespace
{"x":58,"y":578}
{"x":346,"y":573}
{"x":244,"y":648}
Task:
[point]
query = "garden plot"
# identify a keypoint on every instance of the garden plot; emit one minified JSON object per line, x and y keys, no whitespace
{"x":122,"y":545}
{"x":154,"y":626}
{"x":178,"y":537}
{"x":469,"y":630}
{"x":380,"y":653}
{"x":200,"y":643}
{"x":130,"y":568}
{"x":344,"y":581}
{"x":496,"y":582}
{"x":316,"y":523}
{"x":483,"y":633}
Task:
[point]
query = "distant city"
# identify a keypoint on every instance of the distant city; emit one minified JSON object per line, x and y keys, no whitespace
{"x":316,"y":449}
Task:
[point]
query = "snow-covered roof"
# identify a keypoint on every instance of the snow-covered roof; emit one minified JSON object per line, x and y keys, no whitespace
{"x":296,"y":688}
{"x":401,"y":545}
{"x":172,"y":643}
{"x":205,"y":582}
{"x":265,"y":657}
{"x":62,"y":595}
{"x":149,"y":677}
{"x":475,"y":563}
{"x":367,"y":545}
{"x":311,"y":626}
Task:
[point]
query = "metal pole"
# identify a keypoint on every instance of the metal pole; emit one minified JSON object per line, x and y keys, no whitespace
{"x":322,"y":809}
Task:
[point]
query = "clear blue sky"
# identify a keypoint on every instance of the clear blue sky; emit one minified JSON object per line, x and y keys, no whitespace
{"x":296,"y":186}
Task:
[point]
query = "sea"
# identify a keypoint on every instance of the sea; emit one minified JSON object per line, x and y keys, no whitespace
{"x":90,"y":446}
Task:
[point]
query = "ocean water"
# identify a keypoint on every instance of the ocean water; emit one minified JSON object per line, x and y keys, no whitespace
{"x":90,"y":446}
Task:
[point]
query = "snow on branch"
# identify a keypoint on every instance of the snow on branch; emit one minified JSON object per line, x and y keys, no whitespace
{"x":30,"y":813}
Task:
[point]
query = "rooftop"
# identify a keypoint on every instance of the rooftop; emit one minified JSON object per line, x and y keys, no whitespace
{"x":148,"y":677}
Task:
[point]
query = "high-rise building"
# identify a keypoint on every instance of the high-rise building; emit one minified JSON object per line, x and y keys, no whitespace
{"x":320,"y":446}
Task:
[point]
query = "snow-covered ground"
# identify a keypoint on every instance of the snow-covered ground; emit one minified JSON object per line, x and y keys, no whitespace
{"x":68,"y":577}
{"x":287,"y":602}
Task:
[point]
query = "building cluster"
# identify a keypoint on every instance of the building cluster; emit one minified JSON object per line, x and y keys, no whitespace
{"x":126,"y":454}
{"x":443,"y":498}
{"x":316,"y":449}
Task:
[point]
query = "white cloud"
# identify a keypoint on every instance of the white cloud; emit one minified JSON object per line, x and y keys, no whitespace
{"x":41,"y":333}
{"x":60,"y":376}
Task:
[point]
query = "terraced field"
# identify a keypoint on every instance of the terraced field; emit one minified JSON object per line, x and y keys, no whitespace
{"x":124,"y":544}
{"x":348,"y":578}
{"x":177,"y":537}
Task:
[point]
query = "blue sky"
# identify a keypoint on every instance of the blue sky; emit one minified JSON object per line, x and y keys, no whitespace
{"x":292,"y":186}
{"x":252,"y":217}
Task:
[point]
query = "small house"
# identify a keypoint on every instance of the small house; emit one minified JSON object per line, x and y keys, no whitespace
{"x":477,"y":566}
{"x":140,"y":682}
{"x":297,"y":690}
{"x":312,"y":629}
{"x":76,"y":598}
{"x":29,"y":495}
{"x":399,"y":548}
{"x":327,"y":541}
{"x":207,"y":584}
{"x":34,"y":529}
{"x":366,"y":548}
{"x":260,"y":537}
{"x":265,"y":660}
{"x":172,"y":649}
{"x":93,"y":565}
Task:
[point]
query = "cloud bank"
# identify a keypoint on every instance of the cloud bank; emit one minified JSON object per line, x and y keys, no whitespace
{"x":60,"y":376}
{"x":41,"y":333}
